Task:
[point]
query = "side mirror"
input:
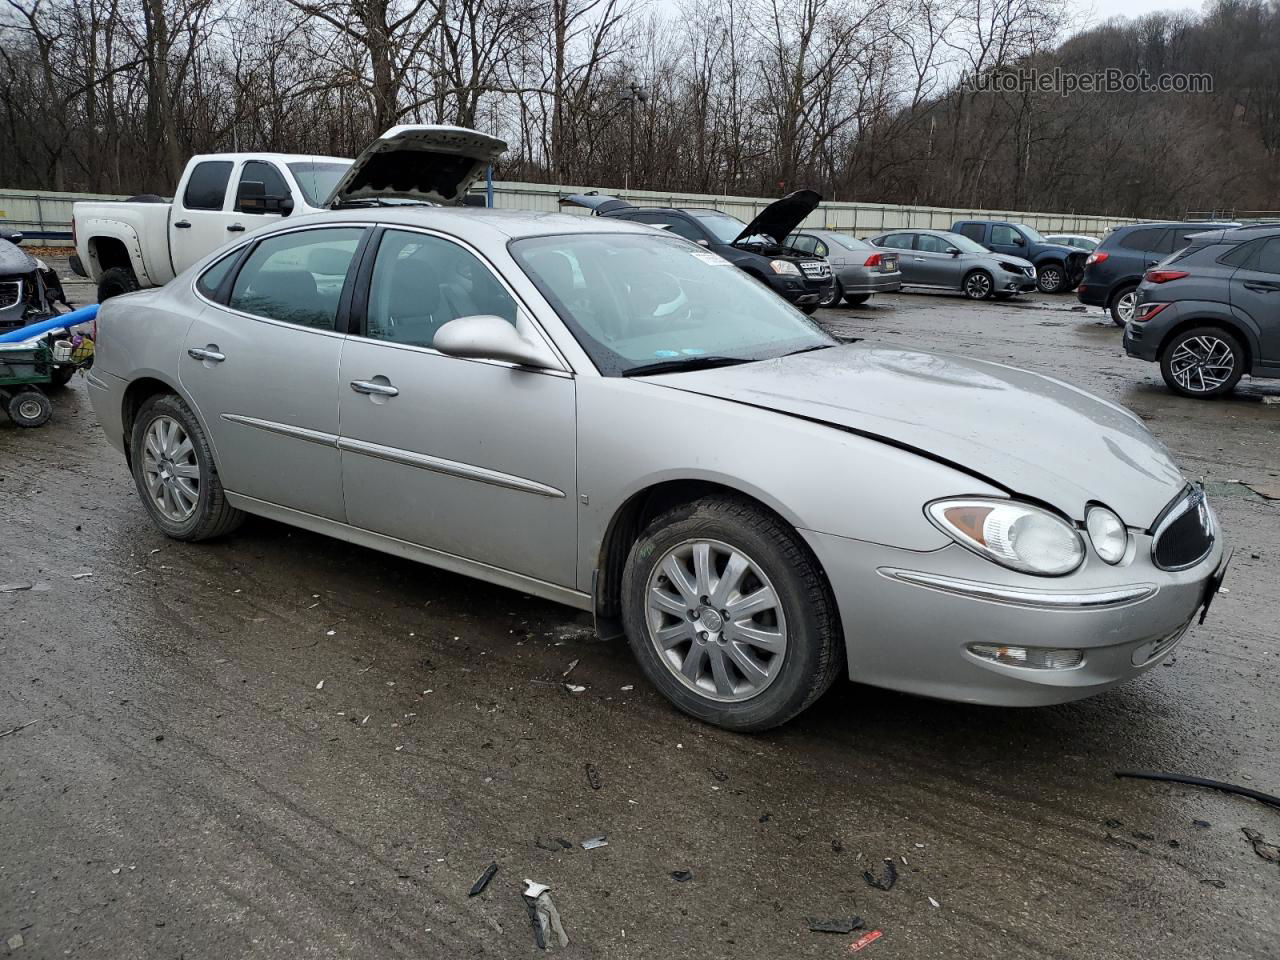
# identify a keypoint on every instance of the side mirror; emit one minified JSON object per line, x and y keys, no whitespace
{"x":487,"y":337}
{"x":954,"y":251}
{"x":252,"y":197}
{"x":1019,"y":240}
{"x":704,"y":242}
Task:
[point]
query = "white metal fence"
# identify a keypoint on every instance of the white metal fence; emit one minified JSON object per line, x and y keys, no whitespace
{"x":38,"y":211}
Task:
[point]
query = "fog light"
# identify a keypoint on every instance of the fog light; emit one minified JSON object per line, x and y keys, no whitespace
{"x":1033,"y":658}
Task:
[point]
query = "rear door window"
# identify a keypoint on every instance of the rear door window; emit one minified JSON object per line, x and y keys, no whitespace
{"x":899,"y":241}
{"x":973,"y":231}
{"x":207,"y":185}
{"x":931,"y":244}
{"x":297,"y":277}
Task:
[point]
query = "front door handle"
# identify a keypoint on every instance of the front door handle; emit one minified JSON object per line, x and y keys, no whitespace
{"x":1261,"y":286}
{"x":209,"y":353}
{"x":183,"y":224}
{"x":375,"y":389}
{"x":236,"y":227}
{"x":919,"y":259}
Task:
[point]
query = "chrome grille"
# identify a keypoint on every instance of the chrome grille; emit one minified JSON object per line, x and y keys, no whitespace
{"x":1185,"y":534}
{"x":10,"y":293}
{"x":816,"y":269}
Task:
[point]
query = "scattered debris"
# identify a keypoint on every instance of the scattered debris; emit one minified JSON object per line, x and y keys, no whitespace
{"x":483,"y":880}
{"x":15,"y":587}
{"x":1113,"y":823}
{"x":574,"y":687}
{"x":15,"y":941}
{"x":1267,"y":851}
{"x":591,"y":843}
{"x":766,"y":817}
{"x":836,"y":845}
{"x":544,"y":916}
{"x":834,"y":925}
{"x":81,"y":576}
{"x":934,"y":902}
{"x":1120,"y":841}
{"x":320,"y":685}
{"x":719,"y":775}
{"x":1202,"y":824}
{"x":865,"y":940}
{"x":628,"y":687}
{"x":1268,"y":491}
{"x":552,"y":844}
{"x":1271,"y":400}
{"x":1140,"y":835}
{"x":572,"y":664}
{"x":20,"y":727}
{"x":890,"y":876}
{"x":1215,"y":882}
{"x":1202,"y":782}
{"x":681,"y":876}
{"x":593,"y":777}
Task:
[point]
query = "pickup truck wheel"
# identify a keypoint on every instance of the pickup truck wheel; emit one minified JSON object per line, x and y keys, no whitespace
{"x":729,"y":615}
{"x":174,"y":472}
{"x":116,"y":281}
{"x":1051,"y":277}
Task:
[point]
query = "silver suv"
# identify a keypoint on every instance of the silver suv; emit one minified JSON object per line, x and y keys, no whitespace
{"x":949,"y":261}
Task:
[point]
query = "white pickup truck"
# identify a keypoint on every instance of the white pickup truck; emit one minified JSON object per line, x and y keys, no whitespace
{"x":125,"y":245}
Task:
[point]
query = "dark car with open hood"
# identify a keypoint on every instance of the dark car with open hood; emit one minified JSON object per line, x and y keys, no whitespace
{"x":29,"y":289}
{"x":759,"y":248}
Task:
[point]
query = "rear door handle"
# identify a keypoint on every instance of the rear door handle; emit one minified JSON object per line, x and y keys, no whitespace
{"x":236,"y":227}
{"x":1261,"y":286}
{"x":183,"y":224}
{"x":919,"y":259}
{"x":376,"y":389}
{"x":209,"y":353}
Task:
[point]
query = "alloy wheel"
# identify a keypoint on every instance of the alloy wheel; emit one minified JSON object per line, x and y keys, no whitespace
{"x":834,"y":297}
{"x":977,"y":286}
{"x":715,"y":620}
{"x":1126,"y":305}
{"x":1202,"y":364}
{"x":170,"y":469}
{"x":1049,"y":280}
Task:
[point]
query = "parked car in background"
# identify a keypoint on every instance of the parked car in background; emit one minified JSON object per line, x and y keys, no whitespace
{"x":594,"y":412}
{"x":949,"y":261}
{"x":1114,"y":270}
{"x":757,"y":248}
{"x":860,"y":270}
{"x":1077,"y":240}
{"x":1058,"y":266}
{"x":1210,"y":313}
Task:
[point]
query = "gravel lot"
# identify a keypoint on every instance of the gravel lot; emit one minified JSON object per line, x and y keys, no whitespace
{"x":190,"y":789}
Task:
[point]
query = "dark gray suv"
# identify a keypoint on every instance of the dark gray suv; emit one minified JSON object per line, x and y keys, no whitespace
{"x":1210,"y":313}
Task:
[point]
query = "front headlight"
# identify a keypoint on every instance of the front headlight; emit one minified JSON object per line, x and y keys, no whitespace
{"x":784,"y":267}
{"x":1108,"y":534}
{"x":1014,"y":535}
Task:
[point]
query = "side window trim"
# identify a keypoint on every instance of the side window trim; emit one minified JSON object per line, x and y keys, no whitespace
{"x":223,"y":293}
{"x":339,"y":326}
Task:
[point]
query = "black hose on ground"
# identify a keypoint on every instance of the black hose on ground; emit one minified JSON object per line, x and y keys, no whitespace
{"x":1202,"y":782}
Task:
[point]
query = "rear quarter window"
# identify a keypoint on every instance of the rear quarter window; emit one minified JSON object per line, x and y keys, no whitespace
{"x":1146,"y":240}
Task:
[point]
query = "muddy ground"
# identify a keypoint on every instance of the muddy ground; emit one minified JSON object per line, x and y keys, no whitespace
{"x":189,"y":789}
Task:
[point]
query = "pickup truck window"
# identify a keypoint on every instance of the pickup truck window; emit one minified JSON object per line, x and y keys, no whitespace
{"x":207,"y":185}
{"x":1002,"y":234}
{"x":972,"y":230}
{"x":317,"y":180}
{"x":297,"y":277}
{"x":272,"y":181}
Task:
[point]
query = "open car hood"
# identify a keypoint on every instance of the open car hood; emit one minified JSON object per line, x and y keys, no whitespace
{"x":779,"y":219}
{"x":598,"y":203}
{"x":1033,"y":435}
{"x":14,"y":261}
{"x":423,"y":162}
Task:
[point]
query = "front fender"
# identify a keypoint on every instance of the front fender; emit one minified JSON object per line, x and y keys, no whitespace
{"x":97,"y":228}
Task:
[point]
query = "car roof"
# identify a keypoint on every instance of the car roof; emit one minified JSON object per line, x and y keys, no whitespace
{"x":500,"y":224}
{"x":1161,"y":224}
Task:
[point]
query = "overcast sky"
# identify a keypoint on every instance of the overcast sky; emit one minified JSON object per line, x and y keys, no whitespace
{"x":1091,"y":12}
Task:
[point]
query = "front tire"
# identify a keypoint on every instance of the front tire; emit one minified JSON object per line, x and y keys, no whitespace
{"x":1051,"y":278}
{"x":831,"y":299}
{"x":1122,"y":305}
{"x":174,"y":472}
{"x":856,"y":299}
{"x":116,"y":281}
{"x":729,"y":615}
{"x":978,"y":285}
{"x":1203,"y":362}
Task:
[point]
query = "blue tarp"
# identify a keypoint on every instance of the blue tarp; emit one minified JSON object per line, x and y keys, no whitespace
{"x":63,"y":320}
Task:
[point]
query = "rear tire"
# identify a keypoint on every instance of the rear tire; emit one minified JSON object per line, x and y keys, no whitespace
{"x":29,"y":408}
{"x":167,"y":447}
{"x":1203,"y":363}
{"x":116,"y":281}
{"x":692,"y":621}
{"x":833,"y":298}
{"x":978,"y":285}
{"x":1122,"y":304}
{"x":856,"y":299}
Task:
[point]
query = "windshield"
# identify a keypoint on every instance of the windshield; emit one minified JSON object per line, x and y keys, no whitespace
{"x":1030,"y":233}
{"x":722,"y":226}
{"x":317,"y":180}
{"x":963,"y":243}
{"x":849,"y":243}
{"x":633,"y":301}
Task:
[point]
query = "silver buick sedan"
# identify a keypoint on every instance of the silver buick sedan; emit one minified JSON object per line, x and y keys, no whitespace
{"x":617,"y":419}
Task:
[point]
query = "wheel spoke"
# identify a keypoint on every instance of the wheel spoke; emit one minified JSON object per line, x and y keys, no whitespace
{"x":748,"y":606}
{"x":720,"y":672}
{"x":768,"y":640}
{"x":752,"y":670}
{"x":187,"y":491}
{"x":679,"y":578}
{"x":692,"y":664}
{"x":184,"y":449}
{"x":673,"y":635}
{"x":729,"y":583}
{"x":702,"y":568}
{"x":188,"y":471}
{"x":665,"y":602}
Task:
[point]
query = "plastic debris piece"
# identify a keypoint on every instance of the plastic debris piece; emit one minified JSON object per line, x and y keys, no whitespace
{"x":593,"y":777}
{"x":320,"y":685}
{"x":15,"y":941}
{"x":552,"y":844}
{"x":574,"y":687}
{"x":569,"y":669}
{"x":628,"y":687}
{"x":18,"y":729}
{"x":720,"y":775}
{"x":591,"y":843}
{"x":1267,"y":851}
{"x":934,"y":902}
{"x":543,"y":915}
{"x":15,"y":587}
{"x":1215,"y":882}
{"x":865,"y":940}
{"x":834,"y":925}
{"x":1202,"y":824}
{"x":889,"y":879}
{"x":681,"y":876}
{"x":483,"y":880}
{"x":80,"y":576}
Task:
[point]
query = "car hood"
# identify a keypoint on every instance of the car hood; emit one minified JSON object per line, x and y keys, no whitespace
{"x":779,"y":219}
{"x":14,"y":261}
{"x":1065,"y":252}
{"x":1007,"y":258}
{"x":423,"y":162}
{"x":599,"y":203}
{"x":1032,"y":435}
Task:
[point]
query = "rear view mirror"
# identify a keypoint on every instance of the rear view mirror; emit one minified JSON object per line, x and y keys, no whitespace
{"x":487,"y":337}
